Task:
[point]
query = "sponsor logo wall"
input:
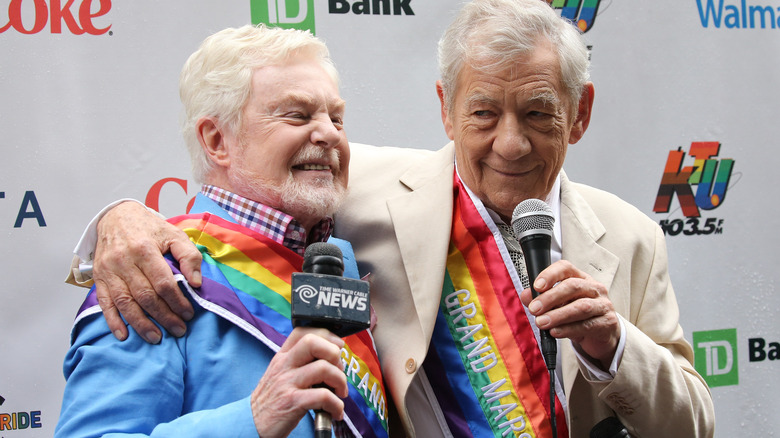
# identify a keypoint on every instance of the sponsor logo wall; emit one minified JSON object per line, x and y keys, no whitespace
{"x":687,"y":96}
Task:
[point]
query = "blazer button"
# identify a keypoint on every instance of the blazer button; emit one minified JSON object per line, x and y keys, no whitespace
{"x":411,"y":366}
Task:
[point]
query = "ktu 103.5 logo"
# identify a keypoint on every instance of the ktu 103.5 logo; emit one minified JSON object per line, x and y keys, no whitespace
{"x":701,"y":186}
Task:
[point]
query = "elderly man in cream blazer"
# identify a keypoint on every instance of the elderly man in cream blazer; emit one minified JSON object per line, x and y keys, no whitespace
{"x":514,"y":94}
{"x":655,"y":392}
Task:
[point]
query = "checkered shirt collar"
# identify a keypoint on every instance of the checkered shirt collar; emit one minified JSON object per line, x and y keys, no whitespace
{"x":280,"y":227}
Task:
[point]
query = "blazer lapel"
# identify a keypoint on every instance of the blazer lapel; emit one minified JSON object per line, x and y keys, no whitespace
{"x":422,"y":220}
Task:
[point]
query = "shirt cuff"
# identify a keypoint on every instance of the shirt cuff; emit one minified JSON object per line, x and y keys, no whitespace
{"x":595,"y":372}
{"x":85,"y":249}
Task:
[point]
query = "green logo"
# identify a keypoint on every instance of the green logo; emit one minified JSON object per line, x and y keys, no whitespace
{"x":715,"y":354}
{"x":287,"y":14}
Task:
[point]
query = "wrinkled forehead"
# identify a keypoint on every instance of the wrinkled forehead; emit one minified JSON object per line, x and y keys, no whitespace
{"x":488,"y":54}
{"x":537,"y":62}
{"x":301,"y":80}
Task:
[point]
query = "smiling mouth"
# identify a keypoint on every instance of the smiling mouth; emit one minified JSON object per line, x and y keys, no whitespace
{"x":512,"y":173}
{"x":311,"y":167}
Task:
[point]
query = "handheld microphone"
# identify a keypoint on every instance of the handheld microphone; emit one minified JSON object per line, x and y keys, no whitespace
{"x":609,"y":427}
{"x":532,"y":222}
{"x":322,"y":297}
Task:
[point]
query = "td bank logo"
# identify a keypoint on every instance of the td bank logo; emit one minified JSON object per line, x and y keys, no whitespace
{"x":299,"y":14}
{"x":287,"y":14}
{"x":716,"y":356}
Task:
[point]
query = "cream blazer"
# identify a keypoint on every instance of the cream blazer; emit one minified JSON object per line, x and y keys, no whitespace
{"x":398,"y":217}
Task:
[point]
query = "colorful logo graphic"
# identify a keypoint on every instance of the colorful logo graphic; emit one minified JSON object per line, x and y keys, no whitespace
{"x":715,"y":356}
{"x":287,"y":14}
{"x":19,"y":420}
{"x":711,"y":177}
{"x":580,"y":12}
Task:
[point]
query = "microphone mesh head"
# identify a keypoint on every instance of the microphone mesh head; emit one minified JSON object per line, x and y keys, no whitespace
{"x":532,"y":216}
{"x":322,"y":248}
{"x":323,"y":258}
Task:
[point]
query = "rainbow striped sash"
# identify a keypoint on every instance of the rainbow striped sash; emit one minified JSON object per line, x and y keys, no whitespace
{"x":246,"y":279}
{"x":485,"y":366}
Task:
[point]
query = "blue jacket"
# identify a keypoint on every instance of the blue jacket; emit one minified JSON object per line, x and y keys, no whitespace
{"x":194,"y":386}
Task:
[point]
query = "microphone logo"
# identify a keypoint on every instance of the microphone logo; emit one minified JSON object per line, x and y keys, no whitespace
{"x":306,"y":292}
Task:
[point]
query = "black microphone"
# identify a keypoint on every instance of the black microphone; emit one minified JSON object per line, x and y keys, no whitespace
{"x":609,"y":427}
{"x":532,"y":222}
{"x":321,"y":297}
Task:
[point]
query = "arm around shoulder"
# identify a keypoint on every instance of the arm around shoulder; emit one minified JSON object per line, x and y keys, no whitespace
{"x":130,"y":274}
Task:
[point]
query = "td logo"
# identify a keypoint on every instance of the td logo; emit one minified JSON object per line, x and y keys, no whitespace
{"x":715,"y":354}
{"x":287,"y":14}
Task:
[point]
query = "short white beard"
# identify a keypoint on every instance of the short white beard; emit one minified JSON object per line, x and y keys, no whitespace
{"x":313,"y":200}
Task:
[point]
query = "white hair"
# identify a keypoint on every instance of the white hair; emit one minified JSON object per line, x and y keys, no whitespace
{"x":216,"y":80}
{"x":490,"y":35}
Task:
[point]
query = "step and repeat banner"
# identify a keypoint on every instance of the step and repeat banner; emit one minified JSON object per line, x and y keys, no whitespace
{"x":684,"y":128}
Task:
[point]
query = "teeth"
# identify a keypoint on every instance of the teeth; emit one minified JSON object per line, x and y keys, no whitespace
{"x":313,"y":167}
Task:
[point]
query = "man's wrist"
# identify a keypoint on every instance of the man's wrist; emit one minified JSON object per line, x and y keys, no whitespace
{"x":594,"y":370}
{"x":85,"y":249}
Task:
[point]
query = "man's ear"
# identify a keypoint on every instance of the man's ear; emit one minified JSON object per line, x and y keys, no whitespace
{"x":445,"y":117}
{"x":212,"y":140}
{"x":584,"y":109}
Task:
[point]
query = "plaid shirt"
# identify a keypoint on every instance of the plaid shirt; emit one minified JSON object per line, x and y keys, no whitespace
{"x":272,"y":223}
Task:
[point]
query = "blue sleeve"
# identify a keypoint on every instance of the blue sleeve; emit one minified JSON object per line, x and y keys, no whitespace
{"x":132,"y":388}
{"x":350,"y":264}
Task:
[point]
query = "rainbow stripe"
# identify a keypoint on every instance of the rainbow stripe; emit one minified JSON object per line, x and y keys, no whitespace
{"x":258,"y":271}
{"x":486,"y":366}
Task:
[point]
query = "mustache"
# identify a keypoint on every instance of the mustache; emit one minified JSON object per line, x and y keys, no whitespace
{"x":316,"y":154}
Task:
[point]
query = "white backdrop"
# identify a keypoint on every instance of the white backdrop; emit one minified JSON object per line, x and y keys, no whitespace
{"x":89,"y":113}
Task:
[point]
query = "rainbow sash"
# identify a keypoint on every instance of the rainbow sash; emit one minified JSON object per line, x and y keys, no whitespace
{"x":485,"y":364}
{"x":246,"y":279}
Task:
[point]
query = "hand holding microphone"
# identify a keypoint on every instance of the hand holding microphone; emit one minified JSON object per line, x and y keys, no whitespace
{"x":287,"y":391}
{"x":532,"y":222}
{"x":306,"y":373}
{"x":566,"y":301}
{"x":321,"y":297}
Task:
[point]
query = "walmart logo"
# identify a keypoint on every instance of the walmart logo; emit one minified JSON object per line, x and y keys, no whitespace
{"x":287,"y":14}
{"x":738,"y":14}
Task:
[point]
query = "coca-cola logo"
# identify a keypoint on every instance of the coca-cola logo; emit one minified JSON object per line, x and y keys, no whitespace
{"x":31,"y":16}
{"x":153,"y":195}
